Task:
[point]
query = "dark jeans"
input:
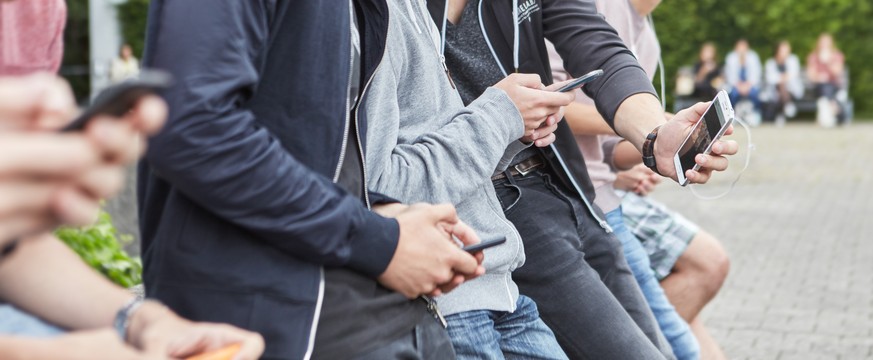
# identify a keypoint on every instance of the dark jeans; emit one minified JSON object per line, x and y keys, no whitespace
{"x":577,"y":274}
{"x":428,"y":340}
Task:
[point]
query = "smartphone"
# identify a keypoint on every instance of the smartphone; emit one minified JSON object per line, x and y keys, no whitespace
{"x":483,"y":245}
{"x":711,"y":127}
{"x":578,"y":82}
{"x":118,"y":99}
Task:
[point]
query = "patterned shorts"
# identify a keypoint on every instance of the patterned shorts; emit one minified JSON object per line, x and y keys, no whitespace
{"x":665,"y":234}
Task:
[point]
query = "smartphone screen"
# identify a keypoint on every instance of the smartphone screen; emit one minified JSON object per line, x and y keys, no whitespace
{"x":702,"y":135}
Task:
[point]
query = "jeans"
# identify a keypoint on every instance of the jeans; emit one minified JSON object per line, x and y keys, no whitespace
{"x":18,"y":323}
{"x":486,"y":334}
{"x":752,"y":96}
{"x":577,"y":274}
{"x":675,"y":329}
{"x":428,"y":340}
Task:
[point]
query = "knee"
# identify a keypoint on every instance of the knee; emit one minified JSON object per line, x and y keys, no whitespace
{"x":716,"y":264}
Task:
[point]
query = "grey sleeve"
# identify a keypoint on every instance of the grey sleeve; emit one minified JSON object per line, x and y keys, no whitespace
{"x":587,"y":42}
{"x":608,"y":144}
{"x":445,"y":164}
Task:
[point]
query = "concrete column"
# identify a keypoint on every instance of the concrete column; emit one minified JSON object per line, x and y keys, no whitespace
{"x":105,"y":35}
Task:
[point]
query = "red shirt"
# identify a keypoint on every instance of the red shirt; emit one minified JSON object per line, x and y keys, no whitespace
{"x":31,"y":36}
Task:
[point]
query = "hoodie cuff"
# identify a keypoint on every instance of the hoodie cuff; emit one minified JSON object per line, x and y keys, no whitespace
{"x":499,"y":105}
{"x":373,"y":244}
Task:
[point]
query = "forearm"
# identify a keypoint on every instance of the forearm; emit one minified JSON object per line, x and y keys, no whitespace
{"x":637,"y":116}
{"x":585,"y":120}
{"x":45,"y":278}
{"x":626,"y":156}
{"x":26,"y":348}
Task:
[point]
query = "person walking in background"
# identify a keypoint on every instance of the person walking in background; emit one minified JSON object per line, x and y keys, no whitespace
{"x":782,"y":84}
{"x":742,"y":72}
{"x":825,"y":67}
{"x":708,"y":79}
{"x":125,"y":66}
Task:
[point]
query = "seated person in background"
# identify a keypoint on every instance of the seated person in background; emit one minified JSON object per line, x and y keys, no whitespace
{"x":43,"y":280}
{"x":782,"y":84}
{"x":824,"y":67}
{"x":708,"y":79}
{"x":742,"y":72}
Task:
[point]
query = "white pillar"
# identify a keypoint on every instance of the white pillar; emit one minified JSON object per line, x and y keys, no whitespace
{"x":105,"y":35}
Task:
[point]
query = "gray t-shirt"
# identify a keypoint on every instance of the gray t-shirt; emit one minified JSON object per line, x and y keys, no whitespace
{"x":471,"y":62}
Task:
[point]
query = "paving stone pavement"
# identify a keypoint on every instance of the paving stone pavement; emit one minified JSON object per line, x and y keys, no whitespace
{"x":798,"y":229}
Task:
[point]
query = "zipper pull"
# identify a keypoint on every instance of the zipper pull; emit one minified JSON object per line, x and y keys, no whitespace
{"x":435,"y":310}
{"x":605,"y":226}
{"x":446,"y":69}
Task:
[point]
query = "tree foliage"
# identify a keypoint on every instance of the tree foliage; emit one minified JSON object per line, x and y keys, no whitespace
{"x":684,"y":25}
{"x":100,"y":246}
{"x":132,"y":16}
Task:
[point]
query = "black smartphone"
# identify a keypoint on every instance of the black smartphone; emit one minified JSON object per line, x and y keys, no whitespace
{"x":118,"y":99}
{"x":578,"y":82}
{"x":483,"y":245}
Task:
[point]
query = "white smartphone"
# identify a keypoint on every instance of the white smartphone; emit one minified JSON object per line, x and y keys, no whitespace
{"x":712,"y":125}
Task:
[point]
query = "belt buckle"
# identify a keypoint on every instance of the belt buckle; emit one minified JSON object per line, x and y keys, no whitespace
{"x":522,"y":171}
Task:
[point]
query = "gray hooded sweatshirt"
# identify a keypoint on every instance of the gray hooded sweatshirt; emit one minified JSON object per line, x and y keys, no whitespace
{"x":423,"y":145}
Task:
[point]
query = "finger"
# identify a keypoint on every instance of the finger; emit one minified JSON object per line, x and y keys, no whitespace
{"x":546,"y":141}
{"x":532,"y":81}
{"x":698,"y":177}
{"x":23,"y":100}
{"x":116,"y":139}
{"x":725,"y":147}
{"x":25,"y":196}
{"x":557,"y":85}
{"x":148,"y":115}
{"x":729,"y":131}
{"x":73,"y":208}
{"x":456,"y":281}
{"x":24,"y":224}
{"x":710,"y":162}
{"x":252,"y":348}
{"x":102,"y":182}
{"x":554,"y":100}
{"x":464,"y":233}
{"x":41,"y":154}
{"x":692,"y":115}
{"x":58,"y":107}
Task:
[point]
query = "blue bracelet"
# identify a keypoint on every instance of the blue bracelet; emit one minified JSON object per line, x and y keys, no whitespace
{"x":122,"y":317}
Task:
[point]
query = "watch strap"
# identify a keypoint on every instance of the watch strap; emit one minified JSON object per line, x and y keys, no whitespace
{"x":649,"y":151}
{"x":122,"y":317}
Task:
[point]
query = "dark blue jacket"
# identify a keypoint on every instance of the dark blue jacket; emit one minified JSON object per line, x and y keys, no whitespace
{"x":238,"y":206}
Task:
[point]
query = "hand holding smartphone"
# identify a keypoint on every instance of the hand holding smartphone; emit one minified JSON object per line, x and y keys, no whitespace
{"x":715,"y":121}
{"x":120,"y":98}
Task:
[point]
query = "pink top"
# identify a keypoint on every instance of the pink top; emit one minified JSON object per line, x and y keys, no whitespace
{"x":823,"y":69}
{"x":639,"y":37}
{"x":31,"y":36}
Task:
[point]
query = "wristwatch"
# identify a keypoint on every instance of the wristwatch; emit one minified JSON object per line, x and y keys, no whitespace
{"x":122,"y":317}
{"x":649,"y":151}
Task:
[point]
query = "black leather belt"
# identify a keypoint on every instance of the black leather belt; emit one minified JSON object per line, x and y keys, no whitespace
{"x":523,"y":168}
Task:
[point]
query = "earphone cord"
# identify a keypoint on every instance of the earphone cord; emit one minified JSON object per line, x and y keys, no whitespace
{"x":750,"y":147}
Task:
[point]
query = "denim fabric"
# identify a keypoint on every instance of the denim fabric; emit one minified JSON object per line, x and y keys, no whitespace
{"x":675,"y":329}
{"x":428,"y":340}
{"x":753,"y":96}
{"x":18,"y":323}
{"x":576,"y":273}
{"x":485,"y":334}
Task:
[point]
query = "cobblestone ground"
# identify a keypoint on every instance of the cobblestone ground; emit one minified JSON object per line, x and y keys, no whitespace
{"x":798,"y":228}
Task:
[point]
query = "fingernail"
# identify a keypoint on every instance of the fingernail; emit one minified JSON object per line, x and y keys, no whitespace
{"x":701,"y":159}
{"x":716,"y":147}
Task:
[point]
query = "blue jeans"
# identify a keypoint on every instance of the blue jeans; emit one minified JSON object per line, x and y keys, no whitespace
{"x":675,"y":329}
{"x":753,"y":96}
{"x":486,"y":334}
{"x":18,"y":323}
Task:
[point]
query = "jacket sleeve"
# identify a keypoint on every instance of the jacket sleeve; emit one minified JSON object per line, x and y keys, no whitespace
{"x":446,"y":164}
{"x":587,"y":42}
{"x":214,"y":152}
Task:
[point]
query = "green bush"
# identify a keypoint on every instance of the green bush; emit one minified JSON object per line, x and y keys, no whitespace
{"x":683,"y":25}
{"x":100,"y":246}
